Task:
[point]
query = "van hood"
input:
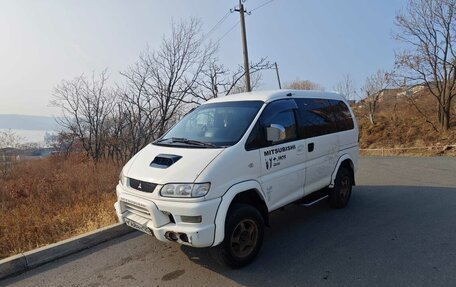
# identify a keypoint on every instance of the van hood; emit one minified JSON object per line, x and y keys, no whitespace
{"x":164,"y":164}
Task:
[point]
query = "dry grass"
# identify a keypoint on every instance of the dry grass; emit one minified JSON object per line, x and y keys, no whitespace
{"x":399,"y":125}
{"x":47,"y":200}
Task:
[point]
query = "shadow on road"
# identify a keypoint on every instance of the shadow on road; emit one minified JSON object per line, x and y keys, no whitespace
{"x":387,"y":235}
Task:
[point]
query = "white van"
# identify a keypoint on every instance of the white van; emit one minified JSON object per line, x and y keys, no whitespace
{"x":214,"y":177}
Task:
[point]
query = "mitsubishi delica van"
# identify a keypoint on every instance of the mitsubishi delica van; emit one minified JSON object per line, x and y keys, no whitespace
{"x":214,"y":177}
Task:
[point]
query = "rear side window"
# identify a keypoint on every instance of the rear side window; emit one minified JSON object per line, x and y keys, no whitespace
{"x":344,"y":120}
{"x":317,"y":117}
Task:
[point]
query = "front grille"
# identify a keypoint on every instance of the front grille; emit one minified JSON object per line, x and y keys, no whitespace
{"x":142,"y":185}
{"x":138,"y":210}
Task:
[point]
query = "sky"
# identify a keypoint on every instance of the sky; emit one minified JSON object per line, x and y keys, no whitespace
{"x":45,"y":41}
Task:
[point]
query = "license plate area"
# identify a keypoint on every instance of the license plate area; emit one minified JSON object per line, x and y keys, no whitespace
{"x":138,"y":226}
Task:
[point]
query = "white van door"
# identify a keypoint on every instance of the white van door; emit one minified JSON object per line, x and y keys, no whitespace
{"x":321,"y":162}
{"x":318,"y":126}
{"x":283,"y":162}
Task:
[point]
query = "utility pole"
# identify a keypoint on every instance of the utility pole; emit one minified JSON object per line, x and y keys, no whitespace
{"x":244,"y":47}
{"x":278,"y":76}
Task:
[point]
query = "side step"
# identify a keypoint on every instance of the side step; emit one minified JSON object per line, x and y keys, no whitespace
{"x":314,"y":197}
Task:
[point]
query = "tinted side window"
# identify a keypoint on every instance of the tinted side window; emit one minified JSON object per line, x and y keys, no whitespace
{"x":280,"y":112}
{"x":344,"y":120}
{"x":316,"y":117}
{"x":285,"y":119}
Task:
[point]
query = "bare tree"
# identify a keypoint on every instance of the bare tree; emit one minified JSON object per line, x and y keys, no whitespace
{"x":373,"y":90}
{"x":137,"y":112}
{"x":211,"y":82}
{"x":158,"y":86}
{"x":237,"y":85}
{"x":346,"y":87}
{"x":86,"y":104}
{"x":118,"y":122}
{"x":173,"y":70}
{"x":216,"y":80}
{"x":304,"y":85}
{"x":63,"y":143}
{"x":9,"y":139}
{"x":429,"y":28}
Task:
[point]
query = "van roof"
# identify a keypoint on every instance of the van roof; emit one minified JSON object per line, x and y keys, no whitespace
{"x":271,"y":95}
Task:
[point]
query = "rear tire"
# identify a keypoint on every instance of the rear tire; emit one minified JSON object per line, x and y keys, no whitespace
{"x":244,"y":232}
{"x":340,"y":194}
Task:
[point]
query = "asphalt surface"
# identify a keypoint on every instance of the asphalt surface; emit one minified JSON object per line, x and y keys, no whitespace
{"x":399,"y":229}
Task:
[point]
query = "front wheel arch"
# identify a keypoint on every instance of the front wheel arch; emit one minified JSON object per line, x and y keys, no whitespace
{"x":237,"y":192}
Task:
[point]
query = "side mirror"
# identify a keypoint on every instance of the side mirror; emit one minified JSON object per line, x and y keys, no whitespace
{"x":275,"y":133}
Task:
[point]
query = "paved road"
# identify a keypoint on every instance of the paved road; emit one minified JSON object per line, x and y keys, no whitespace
{"x":398,"y":230}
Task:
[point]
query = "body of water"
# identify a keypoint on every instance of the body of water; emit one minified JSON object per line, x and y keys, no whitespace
{"x":31,"y":136}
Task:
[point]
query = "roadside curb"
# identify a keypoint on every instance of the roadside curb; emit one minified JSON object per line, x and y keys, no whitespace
{"x":22,"y":262}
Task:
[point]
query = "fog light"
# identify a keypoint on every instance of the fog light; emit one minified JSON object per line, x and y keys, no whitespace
{"x":191,"y":219}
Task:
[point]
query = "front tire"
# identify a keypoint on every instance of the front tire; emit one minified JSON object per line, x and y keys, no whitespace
{"x":244,"y":232}
{"x":340,"y":194}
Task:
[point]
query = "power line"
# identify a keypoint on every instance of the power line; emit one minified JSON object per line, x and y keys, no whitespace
{"x":215,"y":27}
{"x":227,"y":32}
{"x":262,"y":5}
{"x":223,"y":19}
{"x":242,"y":11}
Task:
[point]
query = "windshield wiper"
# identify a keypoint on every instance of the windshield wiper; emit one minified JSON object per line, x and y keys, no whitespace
{"x":193,"y":142}
{"x":160,"y":140}
{"x":186,"y":141}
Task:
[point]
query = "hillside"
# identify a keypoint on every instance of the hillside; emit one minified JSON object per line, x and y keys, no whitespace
{"x":400,"y":125}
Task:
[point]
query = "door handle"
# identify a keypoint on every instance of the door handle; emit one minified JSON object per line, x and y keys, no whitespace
{"x":310,"y":147}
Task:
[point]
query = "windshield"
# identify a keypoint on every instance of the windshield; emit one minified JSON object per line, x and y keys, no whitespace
{"x":213,"y":125}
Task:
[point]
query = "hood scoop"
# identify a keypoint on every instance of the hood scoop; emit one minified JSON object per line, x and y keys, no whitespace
{"x":165,"y":160}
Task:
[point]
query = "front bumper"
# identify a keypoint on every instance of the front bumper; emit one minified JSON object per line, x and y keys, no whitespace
{"x":158,"y":216}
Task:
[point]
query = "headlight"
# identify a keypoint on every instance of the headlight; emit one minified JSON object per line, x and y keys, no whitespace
{"x":122,"y":179}
{"x":185,"y":190}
